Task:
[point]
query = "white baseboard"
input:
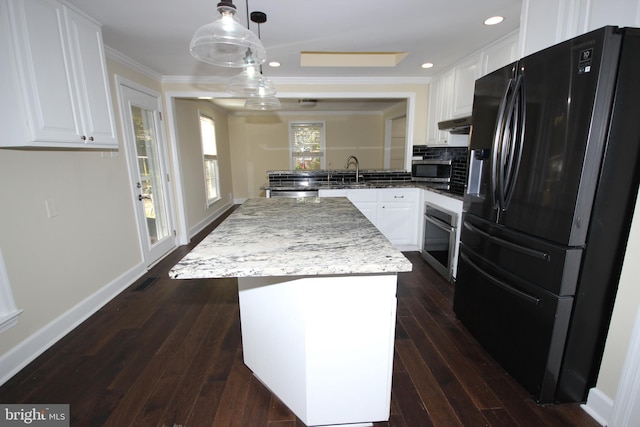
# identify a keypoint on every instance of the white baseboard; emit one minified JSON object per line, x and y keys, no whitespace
{"x":36,"y":344}
{"x":407,"y":248}
{"x":599,"y":406}
{"x":208,"y":220}
{"x":9,"y":320}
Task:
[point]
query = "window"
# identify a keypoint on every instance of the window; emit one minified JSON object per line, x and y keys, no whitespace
{"x":210,"y":155}
{"x":307,"y":145}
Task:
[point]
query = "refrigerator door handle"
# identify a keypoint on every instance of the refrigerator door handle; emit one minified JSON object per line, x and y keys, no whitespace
{"x":516,"y":292}
{"x":513,"y":246}
{"x":515,"y":126}
{"x":498,"y":140}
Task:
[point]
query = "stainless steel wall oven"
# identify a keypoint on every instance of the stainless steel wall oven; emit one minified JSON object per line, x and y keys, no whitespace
{"x":439,"y":243}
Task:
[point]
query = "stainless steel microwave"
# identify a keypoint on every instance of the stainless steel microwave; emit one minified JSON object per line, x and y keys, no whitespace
{"x":431,"y":170}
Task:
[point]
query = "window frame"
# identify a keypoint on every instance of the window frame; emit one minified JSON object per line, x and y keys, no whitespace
{"x":321,"y":154}
{"x":209,"y":159}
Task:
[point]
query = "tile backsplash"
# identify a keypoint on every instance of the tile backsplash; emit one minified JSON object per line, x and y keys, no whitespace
{"x":458,"y":157}
{"x":306,"y":178}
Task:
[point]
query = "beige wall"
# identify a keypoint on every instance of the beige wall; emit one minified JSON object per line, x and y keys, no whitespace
{"x":55,"y":263}
{"x":187,"y":119}
{"x":624,"y":314}
{"x":249,"y":170}
{"x":261,"y":143}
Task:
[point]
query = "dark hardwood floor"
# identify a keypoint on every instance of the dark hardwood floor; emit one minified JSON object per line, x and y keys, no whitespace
{"x":168,"y":353}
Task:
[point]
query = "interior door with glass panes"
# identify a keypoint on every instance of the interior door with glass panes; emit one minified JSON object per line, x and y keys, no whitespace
{"x":147,"y":162}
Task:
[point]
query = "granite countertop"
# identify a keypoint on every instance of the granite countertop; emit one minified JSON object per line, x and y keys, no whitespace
{"x":360,"y":185}
{"x":292,"y":237}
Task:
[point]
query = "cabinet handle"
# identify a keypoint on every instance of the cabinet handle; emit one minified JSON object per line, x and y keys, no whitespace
{"x":398,"y":197}
{"x":84,"y":138}
{"x":90,"y":138}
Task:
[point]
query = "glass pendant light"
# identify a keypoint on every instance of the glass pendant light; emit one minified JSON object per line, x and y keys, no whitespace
{"x":225,"y":42}
{"x":251,"y":82}
{"x":263,"y":103}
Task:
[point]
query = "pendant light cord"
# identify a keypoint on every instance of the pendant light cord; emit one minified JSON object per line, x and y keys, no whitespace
{"x":246,"y":2}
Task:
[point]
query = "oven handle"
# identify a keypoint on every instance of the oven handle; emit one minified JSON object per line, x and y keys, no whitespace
{"x":518,"y":293}
{"x":439,"y":223}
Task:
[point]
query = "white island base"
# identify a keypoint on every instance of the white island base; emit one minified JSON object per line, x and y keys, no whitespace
{"x":322,"y":344}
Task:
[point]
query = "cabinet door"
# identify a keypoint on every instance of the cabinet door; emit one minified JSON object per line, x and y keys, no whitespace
{"x":500,"y":54}
{"x":63,"y":76}
{"x":465,"y":75}
{"x":90,"y":72}
{"x":435,"y":91}
{"x":398,"y":215}
{"x":393,"y":222}
{"x":441,"y":92}
{"x":366,"y":200}
{"x":46,"y":79}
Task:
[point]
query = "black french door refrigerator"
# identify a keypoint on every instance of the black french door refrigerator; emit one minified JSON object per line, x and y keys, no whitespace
{"x":553,"y":177}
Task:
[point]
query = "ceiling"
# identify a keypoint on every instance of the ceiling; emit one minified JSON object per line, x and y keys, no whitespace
{"x":156,"y":33}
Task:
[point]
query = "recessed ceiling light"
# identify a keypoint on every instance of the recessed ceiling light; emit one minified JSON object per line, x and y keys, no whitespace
{"x":493,"y":20}
{"x":274,"y":64}
{"x":427,"y":65}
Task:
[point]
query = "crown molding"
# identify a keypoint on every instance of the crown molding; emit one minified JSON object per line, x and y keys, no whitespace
{"x":133,"y":64}
{"x":351,"y":81}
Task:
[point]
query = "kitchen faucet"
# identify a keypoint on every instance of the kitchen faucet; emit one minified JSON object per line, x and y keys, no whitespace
{"x":357,"y":166}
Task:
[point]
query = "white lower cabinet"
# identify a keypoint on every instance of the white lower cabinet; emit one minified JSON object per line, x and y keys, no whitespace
{"x":394,"y":211}
{"x":398,"y":210}
{"x":366,"y":200}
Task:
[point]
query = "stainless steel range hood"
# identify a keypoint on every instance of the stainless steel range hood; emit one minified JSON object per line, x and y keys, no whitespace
{"x":461,"y":126}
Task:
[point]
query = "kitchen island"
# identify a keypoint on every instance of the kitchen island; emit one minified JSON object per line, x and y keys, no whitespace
{"x":317,"y":291}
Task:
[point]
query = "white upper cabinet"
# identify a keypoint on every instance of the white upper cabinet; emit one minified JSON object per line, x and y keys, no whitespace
{"x":63,"y":77}
{"x":499,"y":54}
{"x":465,"y":75}
{"x":440,"y":92}
{"x":548,"y":22}
{"x":451,"y":92}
